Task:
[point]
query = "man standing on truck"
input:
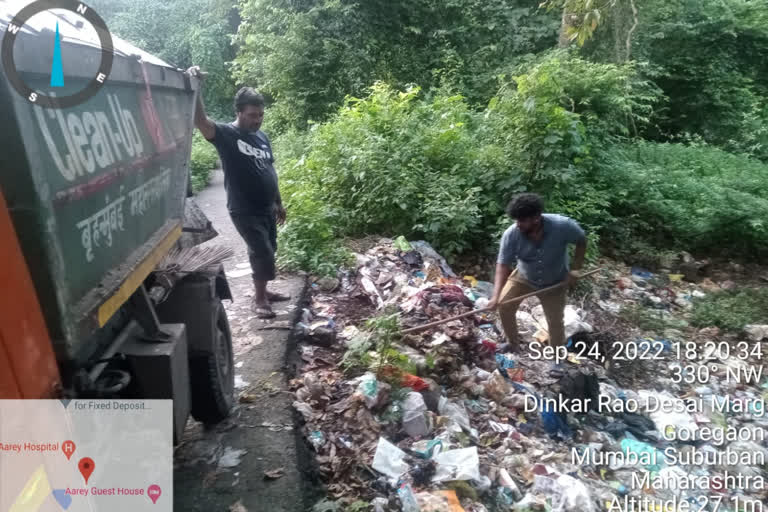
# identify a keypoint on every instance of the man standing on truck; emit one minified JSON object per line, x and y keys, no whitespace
{"x":537,"y":245}
{"x":253,"y":196}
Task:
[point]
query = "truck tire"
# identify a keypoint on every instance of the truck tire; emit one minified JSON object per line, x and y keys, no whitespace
{"x":212,"y":375}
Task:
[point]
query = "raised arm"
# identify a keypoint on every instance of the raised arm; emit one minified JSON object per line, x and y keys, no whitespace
{"x":203,"y":123}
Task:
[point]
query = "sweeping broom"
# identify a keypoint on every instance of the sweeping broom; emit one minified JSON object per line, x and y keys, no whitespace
{"x":194,"y":259}
{"x":182,"y":261}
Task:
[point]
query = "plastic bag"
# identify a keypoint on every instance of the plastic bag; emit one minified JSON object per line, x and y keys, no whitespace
{"x":666,"y":420}
{"x":415,"y":420}
{"x":555,"y":423}
{"x":483,"y":289}
{"x":530,"y":503}
{"x":505,"y":363}
{"x":567,"y":493}
{"x":428,"y":252}
{"x":462,"y":464}
{"x":496,"y":387}
{"x":414,"y":382}
{"x":506,"y":482}
{"x":369,"y":388}
{"x":408,"y":499}
{"x":757,"y":332}
{"x":572,"y":320}
{"x":380,"y":504}
{"x":455,"y":411}
{"x":644,"y":451}
{"x":389,"y":460}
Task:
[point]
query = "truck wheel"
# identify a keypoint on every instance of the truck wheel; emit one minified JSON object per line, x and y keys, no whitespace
{"x":212,"y":374}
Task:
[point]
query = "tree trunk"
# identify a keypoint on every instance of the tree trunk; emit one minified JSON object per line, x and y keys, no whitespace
{"x":564,"y":40}
{"x":568,"y":23}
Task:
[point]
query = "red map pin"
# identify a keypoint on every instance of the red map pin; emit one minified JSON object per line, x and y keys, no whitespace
{"x":68,"y":447}
{"x":86,"y":467}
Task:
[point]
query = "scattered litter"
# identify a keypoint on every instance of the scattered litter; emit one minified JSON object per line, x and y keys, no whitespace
{"x":237,"y":507}
{"x":415,"y":419}
{"x":439,"y":501}
{"x":757,"y":332}
{"x":274,"y":474}
{"x":389,"y":460}
{"x":450,"y":418}
{"x":276,"y":326}
{"x":462,"y":464}
{"x":231,"y":457}
{"x":408,"y":502}
{"x":240,"y":383}
{"x":567,"y":493}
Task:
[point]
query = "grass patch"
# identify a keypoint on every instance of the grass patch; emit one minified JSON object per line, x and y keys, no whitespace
{"x":731,"y":310}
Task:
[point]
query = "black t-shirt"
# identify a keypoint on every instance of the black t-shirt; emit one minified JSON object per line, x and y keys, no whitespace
{"x":249,"y":175}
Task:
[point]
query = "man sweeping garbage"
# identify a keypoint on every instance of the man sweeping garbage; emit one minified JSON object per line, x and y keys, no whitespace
{"x":536,"y":246}
{"x":253,"y":197}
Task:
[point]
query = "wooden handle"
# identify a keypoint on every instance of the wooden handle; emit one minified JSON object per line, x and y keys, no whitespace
{"x":482,"y":310}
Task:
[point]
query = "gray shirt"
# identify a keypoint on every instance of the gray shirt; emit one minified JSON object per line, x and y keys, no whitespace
{"x":545,"y":262}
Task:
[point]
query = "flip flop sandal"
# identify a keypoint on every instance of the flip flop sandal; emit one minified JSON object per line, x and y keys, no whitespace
{"x":277,"y":296}
{"x":264,"y":312}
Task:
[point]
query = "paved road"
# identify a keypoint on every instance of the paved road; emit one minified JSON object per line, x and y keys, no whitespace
{"x":217,"y":469}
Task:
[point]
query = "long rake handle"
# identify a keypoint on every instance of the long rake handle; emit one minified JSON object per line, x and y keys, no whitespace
{"x":482,"y":310}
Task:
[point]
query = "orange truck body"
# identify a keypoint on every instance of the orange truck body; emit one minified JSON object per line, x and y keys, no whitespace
{"x":26,"y":352}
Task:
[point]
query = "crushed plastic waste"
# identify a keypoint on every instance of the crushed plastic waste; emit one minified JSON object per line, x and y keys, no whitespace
{"x":416,"y":422}
{"x":448,"y":419}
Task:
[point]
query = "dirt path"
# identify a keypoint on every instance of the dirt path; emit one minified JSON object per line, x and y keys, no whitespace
{"x":218,"y":468}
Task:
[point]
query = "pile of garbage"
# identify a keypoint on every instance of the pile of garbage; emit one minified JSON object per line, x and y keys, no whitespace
{"x":450,"y":419}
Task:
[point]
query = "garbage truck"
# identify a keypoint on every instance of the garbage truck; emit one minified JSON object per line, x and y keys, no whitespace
{"x":106,"y":290}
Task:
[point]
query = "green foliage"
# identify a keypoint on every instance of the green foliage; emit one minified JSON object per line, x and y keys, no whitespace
{"x":183,"y":33}
{"x":693,"y":198}
{"x":706,"y":57}
{"x":202,"y":161}
{"x":385,"y":330}
{"x":561,"y":88}
{"x":719,"y":93}
{"x":425,"y":165}
{"x":731,"y":310}
{"x":327,"y":506}
{"x":356,"y":359}
{"x":308,"y":55}
{"x":380,"y":333}
{"x":423,"y":119}
{"x":358,"y":506}
{"x":310,"y":238}
{"x":580,"y":17}
{"x":397,"y":163}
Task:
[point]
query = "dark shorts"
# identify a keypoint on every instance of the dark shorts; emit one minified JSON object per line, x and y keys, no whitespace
{"x":260,"y":234}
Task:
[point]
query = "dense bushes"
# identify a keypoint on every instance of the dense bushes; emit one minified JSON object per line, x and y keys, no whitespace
{"x":694,"y":198}
{"x":397,"y":163}
{"x":308,"y":55}
{"x":426,"y":165}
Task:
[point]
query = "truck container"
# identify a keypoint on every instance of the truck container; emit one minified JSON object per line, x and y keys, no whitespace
{"x":95,"y":197}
